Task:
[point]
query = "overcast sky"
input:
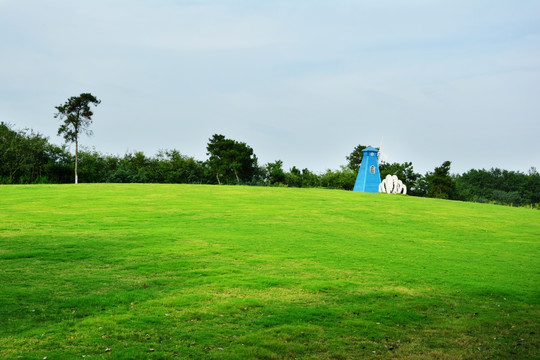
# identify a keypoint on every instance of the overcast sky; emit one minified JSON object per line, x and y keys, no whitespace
{"x":302,"y":81}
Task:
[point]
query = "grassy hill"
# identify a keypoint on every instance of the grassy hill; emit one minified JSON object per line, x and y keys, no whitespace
{"x":185,"y":271}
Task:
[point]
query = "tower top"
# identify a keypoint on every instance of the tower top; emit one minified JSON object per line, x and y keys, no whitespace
{"x":370,"y":148}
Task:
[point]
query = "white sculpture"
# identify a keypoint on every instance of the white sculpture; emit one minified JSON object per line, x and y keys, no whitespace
{"x":392,"y":185}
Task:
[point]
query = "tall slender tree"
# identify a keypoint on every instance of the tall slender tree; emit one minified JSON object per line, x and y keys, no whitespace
{"x":76,"y":115}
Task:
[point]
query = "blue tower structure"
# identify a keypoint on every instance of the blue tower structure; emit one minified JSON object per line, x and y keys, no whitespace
{"x":369,"y":177}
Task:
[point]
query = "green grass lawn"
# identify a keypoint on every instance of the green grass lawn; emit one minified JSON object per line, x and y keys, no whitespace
{"x":230,"y":272}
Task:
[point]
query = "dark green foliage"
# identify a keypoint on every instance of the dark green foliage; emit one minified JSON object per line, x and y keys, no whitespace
{"x":95,"y":167}
{"x":440,"y":184}
{"x":166,"y":167}
{"x":531,"y":191}
{"x":339,"y":179}
{"x":294,"y":177}
{"x":499,"y":186}
{"x":20,"y":153}
{"x":137,"y":166}
{"x":173,"y":167}
{"x":310,"y":179}
{"x":304,"y":178}
{"x":76,"y":115}
{"x":231,"y":161}
{"x":503,"y":197}
{"x":420,"y":187}
{"x":58,"y":168}
{"x":274,"y":174}
{"x":123,"y":175}
{"x":27,"y":157}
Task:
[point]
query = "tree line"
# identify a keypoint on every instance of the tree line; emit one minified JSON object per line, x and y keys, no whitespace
{"x":27,"y":157}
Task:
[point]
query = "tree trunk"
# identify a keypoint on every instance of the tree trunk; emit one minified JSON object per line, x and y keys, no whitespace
{"x":217,"y":176}
{"x":76,"y":159}
{"x":237,"y":178}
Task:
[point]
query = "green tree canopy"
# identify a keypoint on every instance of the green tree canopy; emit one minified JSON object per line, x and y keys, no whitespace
{"x":230,"y":160}
{"x":76,"y":115}
{"x":274,"y":173}
{"x":23,"y":155}
{"x":439,"y":183}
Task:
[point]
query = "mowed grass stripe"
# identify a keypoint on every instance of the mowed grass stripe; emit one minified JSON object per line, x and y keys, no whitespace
{"x":249,"y":272}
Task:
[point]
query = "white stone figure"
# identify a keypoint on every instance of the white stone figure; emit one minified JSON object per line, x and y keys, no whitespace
{"x":397,"y":188}
{"x":403,"y":189}
{"x":395,"y":184}
{"x":386,"y":185}
{"x":389,"y":184}
{"x":392,"y":185}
